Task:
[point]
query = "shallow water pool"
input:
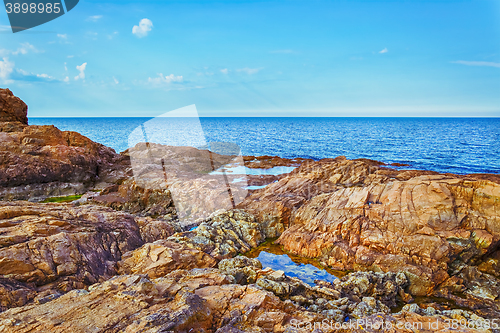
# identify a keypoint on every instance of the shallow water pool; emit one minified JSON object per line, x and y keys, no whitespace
{"x":273,"y":256}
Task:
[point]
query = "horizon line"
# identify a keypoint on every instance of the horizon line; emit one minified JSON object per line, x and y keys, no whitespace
{"x":423,"y":117}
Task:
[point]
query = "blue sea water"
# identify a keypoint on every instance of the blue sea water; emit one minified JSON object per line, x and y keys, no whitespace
{"x":456,"y":145}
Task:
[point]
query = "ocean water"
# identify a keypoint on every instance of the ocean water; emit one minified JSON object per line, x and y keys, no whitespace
{"x":456,"y":145}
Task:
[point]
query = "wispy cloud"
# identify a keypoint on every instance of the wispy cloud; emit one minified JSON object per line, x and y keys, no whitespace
{"x":283,"y":51}
{"x":113,"y":35}
{"x":81,"y":69}
{"x":91,"y":35}
{"x":224,"y":71}
{"x":6,"y":69}
{"x":250,"y":71}
{"x":22,"y":75}
{"x":162,"y":79}
{"x":25,"y":48}
{"x":477,"y":63}
{"x":94,"y":18}
{"x":62,"y":36}
{"x":385,"y":50}
{"x":144,"y":27}
{"x":8,"y":74}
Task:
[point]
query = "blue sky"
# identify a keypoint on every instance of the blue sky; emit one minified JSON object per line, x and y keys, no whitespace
{"x":259,"y":58}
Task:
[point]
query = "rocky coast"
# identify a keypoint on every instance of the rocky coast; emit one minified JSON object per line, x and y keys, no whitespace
{"x":420,"y":249}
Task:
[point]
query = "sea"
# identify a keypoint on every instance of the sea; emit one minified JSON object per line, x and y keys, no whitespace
{"x":455,"y":145}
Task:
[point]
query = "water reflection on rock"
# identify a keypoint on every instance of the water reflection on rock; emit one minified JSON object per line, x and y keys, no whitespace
{"x":308,"y":270}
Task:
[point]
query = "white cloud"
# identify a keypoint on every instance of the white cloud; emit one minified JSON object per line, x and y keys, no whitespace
{"x":8,"y":74}
{"x":6,"y":68}
{"x":116,"y":80}
{"x":66,"y":79}
{"x":62,"y":36}
{"x":385,"y":50}
{"x":45,"y":76}
{"x":81,"y":69}
{"x":144,"y":27}
{"x":477,"y":63}
{"x":250,"y":71}
{"x":165,"y":79}
{"x":224,"y":71}
{"x":94,"y":18}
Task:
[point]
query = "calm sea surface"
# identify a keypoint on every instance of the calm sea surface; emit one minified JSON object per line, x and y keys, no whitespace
{"x":457,"y":145}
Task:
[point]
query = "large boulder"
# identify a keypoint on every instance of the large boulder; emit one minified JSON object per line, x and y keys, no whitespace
{"x":12,"y":108}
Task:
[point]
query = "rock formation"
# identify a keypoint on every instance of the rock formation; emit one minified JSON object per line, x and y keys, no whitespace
{"x":12,"y":108}
{"x":211,"y":300}
{"x":358,"y":214}
{"x":122,"y":260}
{"x":54,"y":248}
{"x":37,"y":162}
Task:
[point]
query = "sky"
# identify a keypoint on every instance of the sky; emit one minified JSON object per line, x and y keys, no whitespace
{"x":123,"y":58}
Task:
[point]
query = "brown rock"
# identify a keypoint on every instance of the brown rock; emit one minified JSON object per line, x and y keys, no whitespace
{"x":162,"y":257}
{"x":37,"y":162}
{"x":57,"y":247}
{"x":42,"y":161}
{"x":12,"y":108}
{"x":206,"y":300}
{"x":130,"y":197}
{"x":357,"y":214}
{"x":200,"y":300}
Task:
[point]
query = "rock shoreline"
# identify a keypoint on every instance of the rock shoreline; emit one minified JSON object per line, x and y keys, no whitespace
{"x":119,"y":260}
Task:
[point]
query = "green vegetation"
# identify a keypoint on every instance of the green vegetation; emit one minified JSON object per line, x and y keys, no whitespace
{"x":62,"y":199}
